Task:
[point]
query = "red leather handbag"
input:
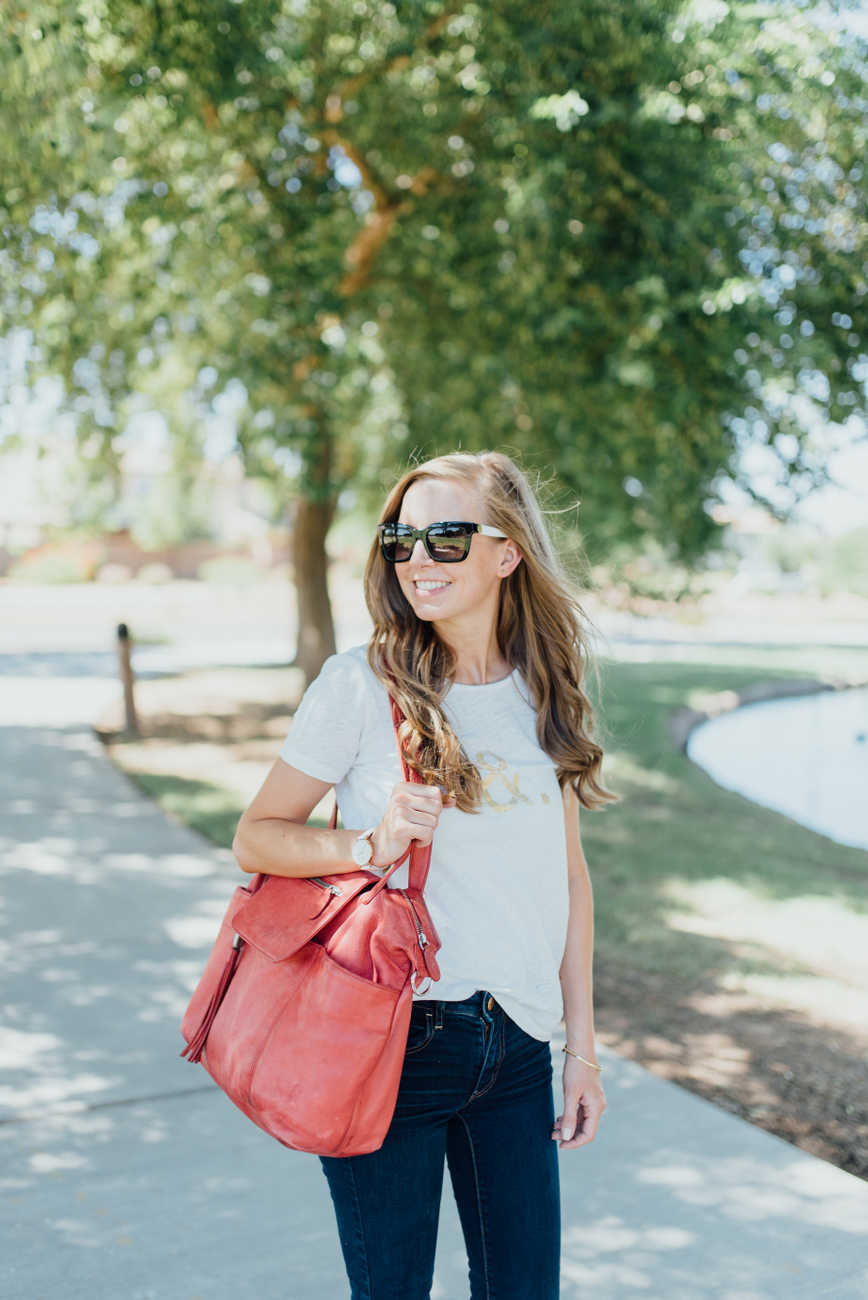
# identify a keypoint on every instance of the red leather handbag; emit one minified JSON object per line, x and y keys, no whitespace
{"x":301,"y":1016}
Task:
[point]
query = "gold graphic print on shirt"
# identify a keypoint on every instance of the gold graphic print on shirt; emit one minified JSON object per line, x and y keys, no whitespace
{"x":495,"y":772}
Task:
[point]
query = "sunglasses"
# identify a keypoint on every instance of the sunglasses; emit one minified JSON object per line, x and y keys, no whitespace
{"x":448,"y":543}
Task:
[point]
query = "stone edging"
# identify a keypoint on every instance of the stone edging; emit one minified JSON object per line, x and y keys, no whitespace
{"x":683,"y":721}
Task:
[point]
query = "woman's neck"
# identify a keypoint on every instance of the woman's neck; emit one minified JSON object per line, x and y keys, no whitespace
{"x":482,"y":675}
{"x":479,"y":660}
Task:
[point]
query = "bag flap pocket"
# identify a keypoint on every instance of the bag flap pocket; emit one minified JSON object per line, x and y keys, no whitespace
{"x":286,"y":912}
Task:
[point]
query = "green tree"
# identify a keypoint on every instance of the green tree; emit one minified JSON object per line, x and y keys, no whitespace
{"x":622,"y":240}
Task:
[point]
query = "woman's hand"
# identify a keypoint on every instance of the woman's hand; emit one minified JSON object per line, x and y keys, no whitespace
{"x":412,"y":813}
{"x":584,"y":1103}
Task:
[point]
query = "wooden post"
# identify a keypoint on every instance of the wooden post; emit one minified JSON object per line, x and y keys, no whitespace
{"x":127,"y":679}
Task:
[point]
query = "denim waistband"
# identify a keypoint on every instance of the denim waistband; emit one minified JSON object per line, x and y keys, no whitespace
{"x":475,"y":1005}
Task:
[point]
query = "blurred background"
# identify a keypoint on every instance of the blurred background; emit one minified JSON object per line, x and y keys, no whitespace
{"x":257,"y":257}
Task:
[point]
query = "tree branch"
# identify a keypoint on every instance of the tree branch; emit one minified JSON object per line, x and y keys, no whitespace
{"x":362,"y":252}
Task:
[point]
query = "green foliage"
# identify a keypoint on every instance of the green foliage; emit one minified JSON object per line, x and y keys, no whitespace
{"x":621,"y":240}
{"x":829,"y":564}
{"x":790,"y":548}
{"x":649,"y":581}
{"x":845,"y":562}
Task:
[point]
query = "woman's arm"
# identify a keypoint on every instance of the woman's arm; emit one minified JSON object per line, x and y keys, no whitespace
{"x":584,"y":1100}
{"x":272,"y":836}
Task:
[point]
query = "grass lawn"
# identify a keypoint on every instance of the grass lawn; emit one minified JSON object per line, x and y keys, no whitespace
{"x":676,"y":825}
{"x":732,"y":943}
{"x":208,"y":808}
{"x":703,"y":972}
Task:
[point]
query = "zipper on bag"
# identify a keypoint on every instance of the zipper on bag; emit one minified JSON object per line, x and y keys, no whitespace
{"x":324,"y":884}
{"x":423,"y":939}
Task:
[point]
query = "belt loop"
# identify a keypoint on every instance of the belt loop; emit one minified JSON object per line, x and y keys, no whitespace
{"x":438,"y":1019}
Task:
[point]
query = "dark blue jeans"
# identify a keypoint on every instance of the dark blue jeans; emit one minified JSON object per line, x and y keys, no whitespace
{"x":476,"y":1092}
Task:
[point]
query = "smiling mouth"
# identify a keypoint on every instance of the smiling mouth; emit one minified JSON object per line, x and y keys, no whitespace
{"x":426,"y":586}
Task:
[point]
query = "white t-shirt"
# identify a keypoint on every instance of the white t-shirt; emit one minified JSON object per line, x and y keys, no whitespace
{"x":497,"y":889}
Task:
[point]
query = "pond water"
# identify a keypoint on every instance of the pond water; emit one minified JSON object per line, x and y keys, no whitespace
{"x":805,"y":757}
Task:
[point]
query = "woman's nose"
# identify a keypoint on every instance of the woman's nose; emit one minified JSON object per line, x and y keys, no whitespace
{"x":419,"y":555}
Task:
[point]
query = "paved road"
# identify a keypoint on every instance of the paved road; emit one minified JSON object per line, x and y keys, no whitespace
{"x":124,"y":1175}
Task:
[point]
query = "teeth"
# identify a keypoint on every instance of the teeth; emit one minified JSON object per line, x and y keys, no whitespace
{"x":430,"y":586}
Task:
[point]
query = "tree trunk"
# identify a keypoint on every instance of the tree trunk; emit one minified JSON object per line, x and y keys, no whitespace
{"x":316,"y":631}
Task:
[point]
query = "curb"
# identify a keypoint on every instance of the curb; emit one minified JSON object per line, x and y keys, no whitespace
{"x":682,"y":722}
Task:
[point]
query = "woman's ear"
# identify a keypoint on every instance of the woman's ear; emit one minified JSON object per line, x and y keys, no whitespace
{"x":510,"y":559}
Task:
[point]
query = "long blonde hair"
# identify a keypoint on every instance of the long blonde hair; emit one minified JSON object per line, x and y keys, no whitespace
{"x":540,"y":632}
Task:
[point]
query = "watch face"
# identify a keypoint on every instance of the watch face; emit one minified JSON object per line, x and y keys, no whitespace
{"x":362,"y":852}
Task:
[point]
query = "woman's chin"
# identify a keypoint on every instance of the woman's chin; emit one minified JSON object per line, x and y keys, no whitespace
{"x":428,"y":608}
{"x":426,"y":611}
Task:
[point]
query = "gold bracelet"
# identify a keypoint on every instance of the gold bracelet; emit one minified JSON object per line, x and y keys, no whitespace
{"x":582,"y":1059}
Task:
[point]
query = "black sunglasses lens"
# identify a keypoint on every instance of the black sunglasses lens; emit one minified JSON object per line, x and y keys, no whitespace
{"x":448,"y":543}
{"x":396,"y":547}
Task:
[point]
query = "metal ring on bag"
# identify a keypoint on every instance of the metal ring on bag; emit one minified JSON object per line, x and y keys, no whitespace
{"x":420,"y":992}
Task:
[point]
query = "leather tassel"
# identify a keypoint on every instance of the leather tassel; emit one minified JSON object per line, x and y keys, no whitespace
{"x":194,"y":1049}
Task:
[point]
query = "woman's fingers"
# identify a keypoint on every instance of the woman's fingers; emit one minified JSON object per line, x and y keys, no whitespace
{"x":578,"y":1124}
{"x":412,"y":814}
{"x":586,"y":1131}
{"x":416,"y":823}
{"x":422,"y":797}
{"x":420,"y":805}
{"x":425,"y":815}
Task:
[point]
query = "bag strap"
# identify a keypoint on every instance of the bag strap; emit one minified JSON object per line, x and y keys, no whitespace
{"x":420,"y":857}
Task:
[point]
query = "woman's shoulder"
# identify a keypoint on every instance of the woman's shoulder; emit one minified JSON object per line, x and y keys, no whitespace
{"x":343,"y":697}
{"x":335,"y":717}
{"x":350,"y":671}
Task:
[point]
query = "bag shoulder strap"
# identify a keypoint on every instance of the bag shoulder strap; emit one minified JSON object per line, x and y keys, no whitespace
{"x":420,"y":858}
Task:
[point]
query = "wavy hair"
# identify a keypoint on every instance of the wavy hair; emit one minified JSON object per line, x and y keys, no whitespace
{"x":540,"y":632}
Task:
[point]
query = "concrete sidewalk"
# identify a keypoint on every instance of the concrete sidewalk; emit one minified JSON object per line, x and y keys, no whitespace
{"x":125,"y":1175}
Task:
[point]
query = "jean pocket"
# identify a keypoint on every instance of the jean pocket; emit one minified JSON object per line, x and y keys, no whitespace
{"x":421,"y":1031}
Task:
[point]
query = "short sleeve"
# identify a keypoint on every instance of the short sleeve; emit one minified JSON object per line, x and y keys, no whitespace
{"x":324,"y":738}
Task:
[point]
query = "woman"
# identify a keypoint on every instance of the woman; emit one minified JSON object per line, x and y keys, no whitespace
{"x":479,"y":639}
